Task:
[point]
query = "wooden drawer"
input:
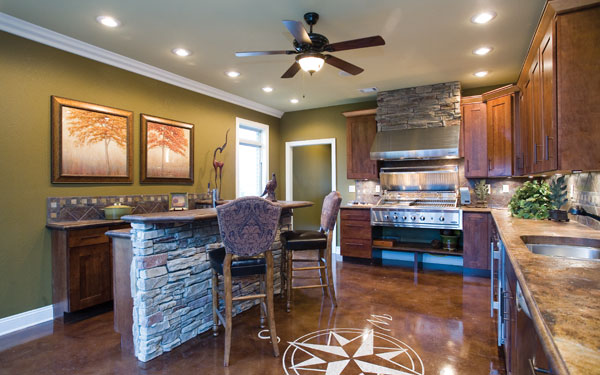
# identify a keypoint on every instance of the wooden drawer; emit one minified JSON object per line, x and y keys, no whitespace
{"x":356,"y":248}
{"x":85,"y":237}
{"x":355,"y":229}
{"x":356,"y":214}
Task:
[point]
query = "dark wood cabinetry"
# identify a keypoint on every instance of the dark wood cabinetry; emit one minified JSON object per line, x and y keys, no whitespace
{"x":499,"y":136}
{"x":560,"y":92}
{"x":360,"y":133}
{"x":81,"y":268}
{"x":474,"y":120}
{"x":476,"y":240}
{"x":355,"y":232}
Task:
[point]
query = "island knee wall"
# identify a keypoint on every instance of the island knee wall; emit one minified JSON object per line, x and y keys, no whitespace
{"x":171,"y":282}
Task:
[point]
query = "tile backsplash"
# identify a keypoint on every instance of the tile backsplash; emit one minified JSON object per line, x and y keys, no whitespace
{"x":583,"y":189}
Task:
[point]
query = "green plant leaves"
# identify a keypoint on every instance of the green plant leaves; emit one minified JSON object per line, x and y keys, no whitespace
{"x":531,"y":201}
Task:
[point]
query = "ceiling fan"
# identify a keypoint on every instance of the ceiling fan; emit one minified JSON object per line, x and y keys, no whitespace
{"x":309,"y":48}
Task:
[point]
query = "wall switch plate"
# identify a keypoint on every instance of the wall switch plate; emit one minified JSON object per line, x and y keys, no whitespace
{"x":489,"y":188}
{"x":377,"y":188}
{"x":351,"y":188}
{"x":505,"y":188}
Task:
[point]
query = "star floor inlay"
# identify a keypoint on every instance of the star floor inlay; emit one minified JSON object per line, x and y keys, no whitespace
{"x":350,"y":351}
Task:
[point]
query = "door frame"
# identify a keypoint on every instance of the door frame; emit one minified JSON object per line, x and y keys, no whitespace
{"x":289,"y":173}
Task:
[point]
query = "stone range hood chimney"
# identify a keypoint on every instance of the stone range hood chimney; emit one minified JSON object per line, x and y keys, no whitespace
{"x":406,"y":119}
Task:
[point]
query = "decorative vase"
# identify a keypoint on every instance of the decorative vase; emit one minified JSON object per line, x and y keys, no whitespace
{"x":558,"y":215}
{"x":449,"y":242}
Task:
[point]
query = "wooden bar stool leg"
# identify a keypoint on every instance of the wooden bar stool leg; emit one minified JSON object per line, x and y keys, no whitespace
{"x":290,"y":279}
{"x":322,"y":273}
{"x":228,"y":307}
{"x":215,"y":302}
{"x":261,"y":304}
{"x":270,"y":307}
{"x":282,"y":272}
{"x":330,"y":285}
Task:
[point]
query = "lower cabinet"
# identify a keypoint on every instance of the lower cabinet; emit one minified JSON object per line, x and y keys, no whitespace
{"x":355,"y":232}
{"x":476,"y":240}
{"x":81,"y":269}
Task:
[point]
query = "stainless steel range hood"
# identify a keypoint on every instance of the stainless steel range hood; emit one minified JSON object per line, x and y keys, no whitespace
{"x":417,"y":144}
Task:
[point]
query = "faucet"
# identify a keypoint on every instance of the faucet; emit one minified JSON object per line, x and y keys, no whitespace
{"x":578,"y":210}
{"x":215,"y":197}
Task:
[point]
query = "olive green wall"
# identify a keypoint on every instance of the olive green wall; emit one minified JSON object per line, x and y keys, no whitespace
{"x":312,"y":181}
{"x":29,"y":74}
{"x":327,"y":122}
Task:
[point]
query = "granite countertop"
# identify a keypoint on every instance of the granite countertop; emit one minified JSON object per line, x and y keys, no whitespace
{"x":562,"y":294}
{"x":83,"y":224}
{"x":199,"y":214}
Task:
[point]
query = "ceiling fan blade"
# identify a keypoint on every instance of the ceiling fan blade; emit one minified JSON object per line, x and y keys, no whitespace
{"x":291,"y":71}
{"x":343,"y":65}
{"x":371,"y":41}
{"x":260,"y":53}
{"x":298,"y":31}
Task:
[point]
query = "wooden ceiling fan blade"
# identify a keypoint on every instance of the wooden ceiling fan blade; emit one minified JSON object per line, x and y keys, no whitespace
{"x":371,"y":41}
{"x":298,"y":31}
{"x":343,"y":65}
{"x":260,"y":53}
{"x":291,"y":71}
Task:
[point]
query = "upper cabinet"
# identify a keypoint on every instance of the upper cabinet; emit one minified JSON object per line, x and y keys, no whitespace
{"x":474,"y":131}
{"x":559,"y":118}
{"x":360,"y":133}
{"x":499,"y":136}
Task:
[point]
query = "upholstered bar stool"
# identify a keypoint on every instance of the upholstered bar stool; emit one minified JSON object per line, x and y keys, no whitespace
{"x":302,"y":240}
{"x":248,"y":227}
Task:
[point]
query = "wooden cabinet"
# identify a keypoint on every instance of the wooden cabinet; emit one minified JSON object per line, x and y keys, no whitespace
{"x":81,"y":268}
{"x":560,"y":91}
{"x":476,"y":240}
{"x":360,"y":133}
{"x":499,"y":136}
{"x":355,"y":232}
{"x":474,"y":131}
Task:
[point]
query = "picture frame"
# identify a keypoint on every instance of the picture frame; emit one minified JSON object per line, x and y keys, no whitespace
{"x":167,"y":151}
{"x":178,"y":201}
{"x":91,"y":143}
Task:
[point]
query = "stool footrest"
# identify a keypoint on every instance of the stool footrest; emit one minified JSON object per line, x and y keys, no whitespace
{"x":309,"y":286}
{"x":253,"y":296}
{"x":308,"y":268}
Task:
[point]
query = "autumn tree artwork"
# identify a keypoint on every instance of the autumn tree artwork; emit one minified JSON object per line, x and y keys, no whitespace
{"x":91,"y":143}
{"x":167,"y":147}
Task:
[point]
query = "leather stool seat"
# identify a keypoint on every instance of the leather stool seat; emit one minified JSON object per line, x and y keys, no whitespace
{"x":304,"y":240}
{"x":239,"y":267}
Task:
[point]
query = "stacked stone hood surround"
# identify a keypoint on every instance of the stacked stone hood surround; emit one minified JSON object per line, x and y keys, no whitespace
{"x":415,"y":123}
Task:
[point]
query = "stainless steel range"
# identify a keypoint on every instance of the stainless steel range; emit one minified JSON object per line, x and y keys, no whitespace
{"x":424,"y":197}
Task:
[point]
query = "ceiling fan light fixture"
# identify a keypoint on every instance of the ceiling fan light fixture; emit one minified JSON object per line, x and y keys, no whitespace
{"x":311,"y":63}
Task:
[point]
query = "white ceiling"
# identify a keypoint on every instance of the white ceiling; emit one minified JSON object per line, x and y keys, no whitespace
{"x":427,"y":41}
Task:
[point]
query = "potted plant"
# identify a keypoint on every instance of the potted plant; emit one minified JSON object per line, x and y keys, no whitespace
{"x":482,"y":193}
{"x":531,"y":201}
{"x":558,"y":197}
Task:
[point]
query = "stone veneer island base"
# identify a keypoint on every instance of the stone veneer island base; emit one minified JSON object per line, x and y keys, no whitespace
{"x":170,"y":277}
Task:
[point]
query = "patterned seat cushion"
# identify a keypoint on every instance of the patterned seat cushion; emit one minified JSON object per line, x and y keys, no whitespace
{"x":304,"y":240}
{"x":240,"y":267}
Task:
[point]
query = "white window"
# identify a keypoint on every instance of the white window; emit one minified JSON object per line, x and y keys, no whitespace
{"x":252,"y":157}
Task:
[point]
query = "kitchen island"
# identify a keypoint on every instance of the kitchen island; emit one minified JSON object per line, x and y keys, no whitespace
{"x":169,"y":277}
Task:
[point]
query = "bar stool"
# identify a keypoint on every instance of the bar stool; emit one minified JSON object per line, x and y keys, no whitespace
{"x":248,"y":227}
{"x":302,"y":240}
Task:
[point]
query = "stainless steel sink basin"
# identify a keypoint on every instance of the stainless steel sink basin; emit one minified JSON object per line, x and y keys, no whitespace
{"x":566,"y":247}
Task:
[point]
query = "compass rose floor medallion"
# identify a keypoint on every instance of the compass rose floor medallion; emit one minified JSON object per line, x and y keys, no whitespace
{"x":350,"y":351}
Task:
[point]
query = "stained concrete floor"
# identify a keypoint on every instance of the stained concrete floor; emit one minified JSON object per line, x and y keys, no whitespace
{"x":389,"y":320}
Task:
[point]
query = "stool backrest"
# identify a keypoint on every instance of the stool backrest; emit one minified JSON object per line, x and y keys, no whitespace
{"x":248,"y":225}
{"x":329,"y":213}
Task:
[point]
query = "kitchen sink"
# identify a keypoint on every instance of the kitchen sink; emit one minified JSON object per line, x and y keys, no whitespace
{"x":566,"y":247}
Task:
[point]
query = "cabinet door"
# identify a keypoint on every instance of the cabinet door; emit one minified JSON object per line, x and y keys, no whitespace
{"x":90,"y":275}
{"x":536,"y":115}
{"x":475,"y":139}
{"x":499,"y":136}
{"x":360,"y":133}
{"x":476,"y":240}
{"x":549,"y":128}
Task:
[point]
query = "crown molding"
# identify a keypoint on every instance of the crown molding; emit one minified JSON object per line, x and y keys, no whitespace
{"x":51,"y":38}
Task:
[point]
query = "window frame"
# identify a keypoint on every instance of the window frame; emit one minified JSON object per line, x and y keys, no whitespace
{"x":264,"y":144}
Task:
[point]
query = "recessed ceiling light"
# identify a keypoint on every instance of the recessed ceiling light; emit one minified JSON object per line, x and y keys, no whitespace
{"x":267,"y":89}
{"x":181,"y":52}
{"x":483,"y":17}
{"x":483,"y":73}
{"x":233,"y":74}
{"x":481,"y":51}
{"x":294,"y":101}
{"x":108,"y":21}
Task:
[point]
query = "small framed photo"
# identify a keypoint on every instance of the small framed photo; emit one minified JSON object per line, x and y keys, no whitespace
{"x":167,"y":151}
{"x":178,"y":201}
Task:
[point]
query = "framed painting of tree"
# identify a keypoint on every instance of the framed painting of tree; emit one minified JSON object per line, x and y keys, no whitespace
{"x":167,"y":151}
{"x":91,"y":143}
